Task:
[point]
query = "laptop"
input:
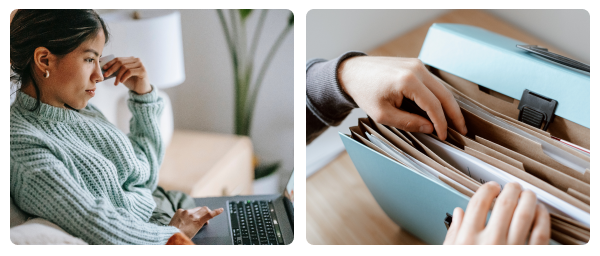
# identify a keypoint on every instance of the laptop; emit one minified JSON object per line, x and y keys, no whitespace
{"x":250,"y":220}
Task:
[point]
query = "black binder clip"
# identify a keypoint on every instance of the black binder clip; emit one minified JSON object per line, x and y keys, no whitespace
{"x":448,"y":220}
{"x":556,"y":58}
{"x":535,"y":109}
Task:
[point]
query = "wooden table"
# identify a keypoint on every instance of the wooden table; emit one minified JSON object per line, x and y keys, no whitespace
{"x":340,"y":208}
{"x":205,"y":164}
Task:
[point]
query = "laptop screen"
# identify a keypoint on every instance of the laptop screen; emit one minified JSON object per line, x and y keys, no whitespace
{"x":289,"y":189}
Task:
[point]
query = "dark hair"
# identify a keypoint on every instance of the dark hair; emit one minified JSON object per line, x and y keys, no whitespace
{"x":60,"y":31}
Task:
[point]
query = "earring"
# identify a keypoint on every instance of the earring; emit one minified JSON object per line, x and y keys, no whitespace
{"x":47,"y":74}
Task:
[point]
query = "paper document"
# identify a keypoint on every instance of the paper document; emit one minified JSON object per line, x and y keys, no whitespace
{"x":485,"y":172}
{"x":413,"y":163}
{"x":561,"y":156}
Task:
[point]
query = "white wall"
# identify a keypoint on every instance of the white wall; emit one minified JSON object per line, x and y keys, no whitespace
{"x":567,"y":30}
{"x":205,"y":101}
{"x":330,"y":33}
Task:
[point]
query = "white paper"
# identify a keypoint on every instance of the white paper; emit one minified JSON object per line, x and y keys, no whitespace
{"x":565,"y":158}
{"x":484,"y":172}
{"x":395,"y":154}
{"x":438,"y":174}
{"x":413,"y":163}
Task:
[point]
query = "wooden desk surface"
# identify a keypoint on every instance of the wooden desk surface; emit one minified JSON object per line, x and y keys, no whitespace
{"x":340,"y":208}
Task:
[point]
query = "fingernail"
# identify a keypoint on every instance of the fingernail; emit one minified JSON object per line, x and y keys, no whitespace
{"x":424,"y":128}
{"x":494,"y":183}
{"x":465,"y":130}
{"x":455,"y":212}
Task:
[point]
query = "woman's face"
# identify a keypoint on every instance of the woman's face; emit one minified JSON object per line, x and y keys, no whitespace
{"x":73,"y":79}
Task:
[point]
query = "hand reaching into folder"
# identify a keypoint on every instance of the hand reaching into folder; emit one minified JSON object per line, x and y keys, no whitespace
{"x":516,"y":217}
{"x":379,"y":85}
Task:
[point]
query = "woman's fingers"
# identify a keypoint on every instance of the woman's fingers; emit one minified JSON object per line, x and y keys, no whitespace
{"x":207,"y":212}
{"x":520,"y":226}
{"x":216,"y":212}
{"x":540,"y":234}
{"x":427,"y":101}
{"x":116,"y":60}
{"x":479,"y":206}
{"x":457,"y":217}
{"x":500,"y":220}
{"x":124,"y":69}
{"x":111,"y":67}
{"x":211,"y":214}
{"x":115,"y":64}
{"x":128,"y":74}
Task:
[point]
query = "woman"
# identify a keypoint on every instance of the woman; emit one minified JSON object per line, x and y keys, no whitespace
{"x":68,"y":164}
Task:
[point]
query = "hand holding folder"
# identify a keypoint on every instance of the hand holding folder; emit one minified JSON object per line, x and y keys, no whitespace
{"x":482,"y":171}
{"x":502,"y":228}
{"x":379,"y":85}
{"x":495,"y":149}
{"x":509,"y":139}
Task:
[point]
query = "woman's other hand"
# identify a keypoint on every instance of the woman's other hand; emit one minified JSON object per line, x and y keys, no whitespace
{"x":379,"y":84}
{"x":191,"y":221}
{"x":131,"y":72}
{"x":516,"y":217}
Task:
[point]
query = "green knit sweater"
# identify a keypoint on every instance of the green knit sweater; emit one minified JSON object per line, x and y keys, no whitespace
{"x":77,"y":170}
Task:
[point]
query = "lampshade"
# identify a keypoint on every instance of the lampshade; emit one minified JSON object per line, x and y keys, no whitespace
{"x":154,"y":37}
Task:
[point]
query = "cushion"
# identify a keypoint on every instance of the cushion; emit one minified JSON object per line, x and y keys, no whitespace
{"x":41,"y":231}
{"x":36,"y":230}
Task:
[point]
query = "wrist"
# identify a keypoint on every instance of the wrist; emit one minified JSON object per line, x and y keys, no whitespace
{"x":342,"y":76}
{"x":144,"y":90}
{"x":344,"y":71}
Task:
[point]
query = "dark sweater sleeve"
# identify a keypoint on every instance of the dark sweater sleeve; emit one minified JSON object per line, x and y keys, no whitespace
{"x":326,"y":103}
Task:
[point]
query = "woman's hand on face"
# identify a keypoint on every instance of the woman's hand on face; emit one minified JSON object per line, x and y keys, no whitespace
{"x":515,"y":218}
{"x":191,"y":221}
{"x":131,"y":72}
{"x":379,"y":84}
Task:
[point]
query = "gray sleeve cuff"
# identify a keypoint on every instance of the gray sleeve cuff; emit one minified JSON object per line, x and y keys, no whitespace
{"x":324,"y":97}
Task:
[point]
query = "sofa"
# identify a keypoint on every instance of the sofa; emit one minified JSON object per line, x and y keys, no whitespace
{"x":26,"y":230}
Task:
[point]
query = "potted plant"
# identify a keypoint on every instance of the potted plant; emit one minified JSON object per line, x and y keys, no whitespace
{"x":247,"y":83}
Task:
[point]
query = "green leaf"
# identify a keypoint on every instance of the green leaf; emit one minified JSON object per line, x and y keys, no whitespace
{"x":266,"y":170}
{"x":291,"y":19}
{"x":244,"y":13}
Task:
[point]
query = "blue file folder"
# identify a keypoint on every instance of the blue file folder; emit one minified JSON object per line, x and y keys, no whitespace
{"x":418,"y":204}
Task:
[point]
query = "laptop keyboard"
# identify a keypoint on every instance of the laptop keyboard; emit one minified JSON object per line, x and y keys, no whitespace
{"x":254,"y":223}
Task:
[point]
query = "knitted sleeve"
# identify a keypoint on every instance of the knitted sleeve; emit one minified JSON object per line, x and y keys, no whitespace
{"x":44,"y":187}
{"x":144,"y":132}
{"x":326,"y":103}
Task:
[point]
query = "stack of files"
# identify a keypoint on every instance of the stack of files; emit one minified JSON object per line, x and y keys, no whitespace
{"x":496,"y":148}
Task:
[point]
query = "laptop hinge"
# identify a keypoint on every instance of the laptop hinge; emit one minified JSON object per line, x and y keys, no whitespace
{"x":289,"y":209}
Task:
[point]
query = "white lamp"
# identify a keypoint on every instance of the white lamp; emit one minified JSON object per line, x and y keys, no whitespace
{"x":154,"y":36}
